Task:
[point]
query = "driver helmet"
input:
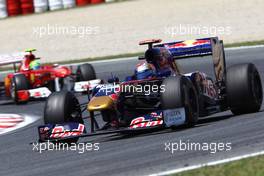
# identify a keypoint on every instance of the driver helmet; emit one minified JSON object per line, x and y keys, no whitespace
{"x":34,"y":65}
{"x":160,"y":57}
{"x":30,"y":54}
{"x":143,"y":71}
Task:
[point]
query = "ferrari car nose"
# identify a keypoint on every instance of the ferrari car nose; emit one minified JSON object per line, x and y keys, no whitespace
{"x":100,"y":103}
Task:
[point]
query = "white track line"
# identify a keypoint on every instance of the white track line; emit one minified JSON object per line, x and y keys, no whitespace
{"x":213,"y":163}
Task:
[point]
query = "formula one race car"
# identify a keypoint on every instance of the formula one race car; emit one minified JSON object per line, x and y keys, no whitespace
{"x":31,"y":80}
{"x":157,"y":96}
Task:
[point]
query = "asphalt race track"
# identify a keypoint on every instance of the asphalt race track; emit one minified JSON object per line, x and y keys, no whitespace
{"x":141,"y":154}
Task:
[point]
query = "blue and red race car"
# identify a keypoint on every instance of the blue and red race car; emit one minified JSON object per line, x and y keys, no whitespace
{"x":158,"y":95}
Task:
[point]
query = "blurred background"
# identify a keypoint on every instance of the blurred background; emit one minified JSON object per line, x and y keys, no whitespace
{"x":77,"y":29}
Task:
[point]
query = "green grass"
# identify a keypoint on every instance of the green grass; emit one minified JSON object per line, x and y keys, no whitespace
{"x":136,"y":54}
{"x":245,"y":167}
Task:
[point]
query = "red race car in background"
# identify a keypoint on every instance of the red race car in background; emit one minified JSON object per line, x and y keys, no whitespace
{"x":32,"y":80}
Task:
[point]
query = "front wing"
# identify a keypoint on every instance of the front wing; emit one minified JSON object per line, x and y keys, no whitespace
{"x":155,"y":120}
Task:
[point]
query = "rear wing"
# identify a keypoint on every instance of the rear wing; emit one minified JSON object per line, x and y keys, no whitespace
{"x":189,"y":48}
{"x":198,"y":48}
{"x":11,"y":59}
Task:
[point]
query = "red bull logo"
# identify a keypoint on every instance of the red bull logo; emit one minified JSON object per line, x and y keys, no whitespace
{"x":60,"y":132}
{"x":141,"y":122}
{"x":189,"y":43}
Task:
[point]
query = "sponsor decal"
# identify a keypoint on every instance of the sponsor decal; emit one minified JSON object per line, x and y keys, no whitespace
{"x":173,"y":117}
{"x":189,"y":43}
{"x":86,"y":85}
{"x":41,"y":92}
{"x":154,"y":119}
{"x":60,"y":132}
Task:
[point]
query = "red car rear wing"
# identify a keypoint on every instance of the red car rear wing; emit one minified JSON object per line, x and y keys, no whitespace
{"x":11,"y":59}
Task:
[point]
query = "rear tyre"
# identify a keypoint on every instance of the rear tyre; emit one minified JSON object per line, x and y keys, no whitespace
{"x":19,"y":82}
{"x":85,"y":72}
{"x":180,"y":92}
{"x":62,"y":107}
{"x":244,"y":89}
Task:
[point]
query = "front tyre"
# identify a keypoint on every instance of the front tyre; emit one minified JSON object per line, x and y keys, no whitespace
{"x":180,"y":92}
{"x":62,"y":107}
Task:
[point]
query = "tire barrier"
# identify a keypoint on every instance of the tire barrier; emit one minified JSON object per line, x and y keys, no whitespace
{"x":55,"y":5}
{"x":27,"y":6}
{"x":13,"y":7}
{"x":40,"y":6}
{"x":3,"y":12}
{"x":82,"y":2}
{"x":68,"y":4}
{"x":22,"y":7}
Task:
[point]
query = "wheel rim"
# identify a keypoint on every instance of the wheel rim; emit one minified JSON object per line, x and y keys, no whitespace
{"x":13,"y":91}
{"x":75,"y":114}
{"x":193,"y":103}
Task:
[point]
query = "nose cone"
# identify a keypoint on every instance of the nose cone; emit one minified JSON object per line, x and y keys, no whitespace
{"x":100,"y":103}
